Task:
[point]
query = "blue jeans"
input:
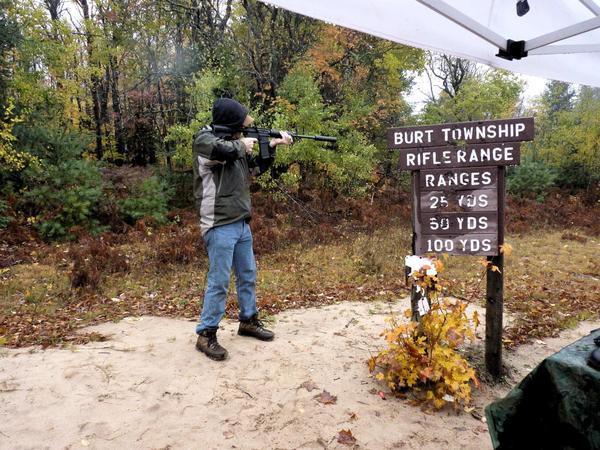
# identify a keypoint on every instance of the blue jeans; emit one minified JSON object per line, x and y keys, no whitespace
{"x":228,"y":245}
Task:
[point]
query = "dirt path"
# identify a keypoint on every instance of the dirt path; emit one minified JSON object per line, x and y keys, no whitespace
{"x":149,"y":388}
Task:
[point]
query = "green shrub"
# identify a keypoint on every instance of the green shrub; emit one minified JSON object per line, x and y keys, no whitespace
{"x":151,"y":200}
{"x":574,"y":175}
{"x":347,"y":170}
{"x":180,"y":186}
{"x":64,"y":196}
{"x":5,"y":219}
{"x":531,"y":178}
{"x":53,"y":143}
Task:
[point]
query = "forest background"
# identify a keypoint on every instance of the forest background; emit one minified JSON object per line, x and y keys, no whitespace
{"x":100,"y":99}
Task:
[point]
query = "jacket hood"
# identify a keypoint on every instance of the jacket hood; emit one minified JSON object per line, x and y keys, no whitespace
{"x":229,"y":113}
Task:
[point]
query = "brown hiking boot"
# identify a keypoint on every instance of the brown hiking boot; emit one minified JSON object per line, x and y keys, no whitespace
{"x":207,"y":343}
{"x":255,"y":328}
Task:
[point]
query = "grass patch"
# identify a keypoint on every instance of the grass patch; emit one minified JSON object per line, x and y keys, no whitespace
{"x":37,"y":286}
{"x":550,"y":283}
{"x":552,"y":279}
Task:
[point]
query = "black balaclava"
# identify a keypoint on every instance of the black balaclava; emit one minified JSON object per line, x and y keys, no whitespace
{"x":229,"y":113}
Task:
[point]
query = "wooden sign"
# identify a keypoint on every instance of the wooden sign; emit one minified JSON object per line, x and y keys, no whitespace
{"x":456,"y":201}
{"x":484,"y":131}
{"x":471,"y":155}
{"x":459,"y":223}
{"x":465,"y":244}
{"x":458,"y":179}
{"x":458,"y":186}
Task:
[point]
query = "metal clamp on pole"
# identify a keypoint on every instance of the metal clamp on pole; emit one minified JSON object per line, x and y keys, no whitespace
{"x":514,"y":50}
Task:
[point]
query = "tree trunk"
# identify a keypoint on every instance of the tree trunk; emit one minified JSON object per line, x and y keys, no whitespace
{"x":164,"y":126}
{"x":180,"y":115}
{"x":53,"y":7}
{"x":116,"y":106}
{"x":95,"y":82}
{"x":105,"y":118}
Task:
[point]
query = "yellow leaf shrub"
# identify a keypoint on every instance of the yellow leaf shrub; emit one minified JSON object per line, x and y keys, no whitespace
{"x":11,"y":159}
{"x":423,"y":357}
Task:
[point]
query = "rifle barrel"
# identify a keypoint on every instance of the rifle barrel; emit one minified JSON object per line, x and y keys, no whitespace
{"x":315,"y":138}
{"x":277,"y":134}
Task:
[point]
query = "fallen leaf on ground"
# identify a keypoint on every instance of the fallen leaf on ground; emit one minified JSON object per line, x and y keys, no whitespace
{"x":476,"y":415}
{"x":326,"y":398}
{"x":345,"y":437}
{"x":309,"y":385}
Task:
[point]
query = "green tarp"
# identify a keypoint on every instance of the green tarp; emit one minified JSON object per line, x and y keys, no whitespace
{"x":556,"y":406}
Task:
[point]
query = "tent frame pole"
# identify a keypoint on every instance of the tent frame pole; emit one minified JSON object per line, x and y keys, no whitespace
{"x":466,"y":22}
{"x":565,"y":49}
{"x":563,"y":33}
{"x":592,"y":6}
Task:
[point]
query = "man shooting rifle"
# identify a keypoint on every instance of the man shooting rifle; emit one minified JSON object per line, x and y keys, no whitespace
{"x":222,"y":163}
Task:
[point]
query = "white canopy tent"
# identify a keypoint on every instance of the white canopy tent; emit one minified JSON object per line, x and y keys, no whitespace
{"x":556,"y":39}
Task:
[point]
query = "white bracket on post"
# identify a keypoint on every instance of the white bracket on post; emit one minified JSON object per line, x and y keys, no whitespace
{"x":415,"y":263}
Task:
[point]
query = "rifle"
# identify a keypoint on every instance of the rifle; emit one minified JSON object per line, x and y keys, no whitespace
{"x":263,"y":135}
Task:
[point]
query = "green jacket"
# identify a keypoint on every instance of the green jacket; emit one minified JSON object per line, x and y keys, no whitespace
{"x":222,"y":171}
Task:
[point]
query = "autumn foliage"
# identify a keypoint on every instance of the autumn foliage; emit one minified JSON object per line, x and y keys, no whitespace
{"x":93,"y":260}
{"x":424,"y":357}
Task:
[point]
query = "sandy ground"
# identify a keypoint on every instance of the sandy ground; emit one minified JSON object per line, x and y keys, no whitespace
{"x":148,"y":388}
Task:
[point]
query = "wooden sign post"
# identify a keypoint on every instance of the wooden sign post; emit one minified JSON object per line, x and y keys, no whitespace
{"x":458,"y":186}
